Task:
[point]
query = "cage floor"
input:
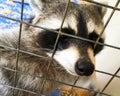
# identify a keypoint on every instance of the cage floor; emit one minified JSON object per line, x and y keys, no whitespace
{"x":13,"y":10}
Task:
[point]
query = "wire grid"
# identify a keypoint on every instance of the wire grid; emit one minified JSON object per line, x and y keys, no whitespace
{"x":18,"y":50}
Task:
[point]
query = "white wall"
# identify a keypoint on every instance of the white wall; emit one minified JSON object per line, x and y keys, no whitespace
{"x":109,"y":59}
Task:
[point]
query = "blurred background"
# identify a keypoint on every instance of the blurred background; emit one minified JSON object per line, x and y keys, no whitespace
{"x":109,"y":59}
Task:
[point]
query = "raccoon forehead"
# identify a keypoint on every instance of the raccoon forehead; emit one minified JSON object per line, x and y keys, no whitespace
{"x":54,"y":22}
{"x":72,"y":23}
{"x":51,"y":23}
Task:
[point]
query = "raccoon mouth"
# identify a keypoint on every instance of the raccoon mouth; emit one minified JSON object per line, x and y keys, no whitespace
{"x":72,"y":73}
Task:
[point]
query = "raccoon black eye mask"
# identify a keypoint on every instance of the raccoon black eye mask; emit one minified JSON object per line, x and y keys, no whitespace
{"x":47,"y":39}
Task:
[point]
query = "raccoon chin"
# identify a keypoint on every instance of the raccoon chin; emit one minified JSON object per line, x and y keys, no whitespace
{"x":71,"y":72}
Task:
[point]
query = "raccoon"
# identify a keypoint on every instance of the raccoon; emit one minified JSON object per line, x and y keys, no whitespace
{"x":72,"y":58}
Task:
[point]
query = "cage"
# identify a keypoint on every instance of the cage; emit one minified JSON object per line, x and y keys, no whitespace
{"x":108,"y":65}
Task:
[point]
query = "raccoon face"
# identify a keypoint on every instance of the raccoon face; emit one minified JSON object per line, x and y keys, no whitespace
{"x":75,"y":55}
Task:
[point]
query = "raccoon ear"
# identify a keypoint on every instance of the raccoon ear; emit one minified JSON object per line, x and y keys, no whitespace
{"x":102,"y":10}
{"x":37,"y":6}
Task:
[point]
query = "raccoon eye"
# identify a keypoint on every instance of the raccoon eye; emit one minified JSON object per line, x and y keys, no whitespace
{"x":67,"y":30}
{"x":93,"y":36}
{"x":47,"y":39}
{"x":63,"y":43}
{"x":64,"y":40}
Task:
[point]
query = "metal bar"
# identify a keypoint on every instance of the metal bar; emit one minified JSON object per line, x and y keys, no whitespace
{"x":73,"y":36}
{"x":20,"y":89}
{"x":23,"y":51}
{"x":43,"y":57}
{"x":112,"y":13}
{"x":18,"y":47}
{"x":104,"y":5}
{"x":18,"y":50}
{"x":52,"y":80}
{"x":73,"y":85}
{"x":117,"y":76}
{"x":108,"y":82}
{"x":56,"y":42}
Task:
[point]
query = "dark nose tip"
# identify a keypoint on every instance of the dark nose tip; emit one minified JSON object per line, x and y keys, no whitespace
{"x":84,"y":68}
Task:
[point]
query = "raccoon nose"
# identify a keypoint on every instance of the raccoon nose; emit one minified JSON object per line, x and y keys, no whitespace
{"x":84,"y":68}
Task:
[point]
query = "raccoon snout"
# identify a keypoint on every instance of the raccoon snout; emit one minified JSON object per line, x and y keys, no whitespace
{"x":84,"y":68}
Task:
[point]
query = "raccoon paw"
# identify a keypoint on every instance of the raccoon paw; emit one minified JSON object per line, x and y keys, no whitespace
{"x":75,"y":92}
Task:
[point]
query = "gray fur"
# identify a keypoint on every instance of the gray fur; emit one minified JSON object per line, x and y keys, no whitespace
{"x":45,"y":11}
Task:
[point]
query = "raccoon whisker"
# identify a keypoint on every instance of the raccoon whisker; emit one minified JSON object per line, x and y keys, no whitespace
{"x":45,"y":49}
